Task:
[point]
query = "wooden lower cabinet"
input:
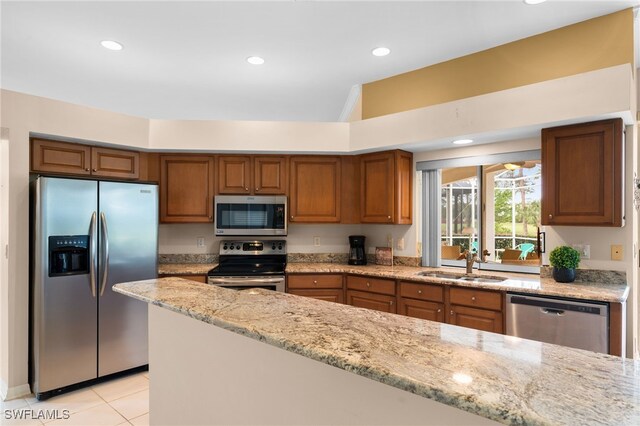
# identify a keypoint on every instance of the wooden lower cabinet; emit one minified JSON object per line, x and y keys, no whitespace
{"x":317,"y":286}
{"x":422,"y":309}
{"x":378,"y":302}
{"x":479,"y":319}
{"x":329,"y":295}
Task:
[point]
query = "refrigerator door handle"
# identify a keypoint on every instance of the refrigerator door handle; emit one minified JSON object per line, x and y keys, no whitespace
{"x":93,"y":248}
{"x":105,"y":237}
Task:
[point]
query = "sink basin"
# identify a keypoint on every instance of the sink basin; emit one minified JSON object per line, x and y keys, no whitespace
{"x":444,"y":275}
{"x":464,"y":277}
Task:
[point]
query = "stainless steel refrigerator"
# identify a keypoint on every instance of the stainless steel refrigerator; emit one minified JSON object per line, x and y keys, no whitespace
{"x":87,"y":236}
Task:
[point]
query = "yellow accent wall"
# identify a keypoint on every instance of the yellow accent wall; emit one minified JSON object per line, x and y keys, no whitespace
{"x":586,"y":46}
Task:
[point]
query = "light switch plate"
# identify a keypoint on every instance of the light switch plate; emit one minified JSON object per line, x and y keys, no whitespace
{"x":617,"y":252}
{"x":200,"y":241}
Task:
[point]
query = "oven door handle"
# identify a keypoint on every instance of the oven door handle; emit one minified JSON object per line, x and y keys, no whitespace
{"x":244,"y":280}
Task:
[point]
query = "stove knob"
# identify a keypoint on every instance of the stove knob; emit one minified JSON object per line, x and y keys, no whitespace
{"x":279,"y":246}
{"x":224,"y":247}
{"x":273,"y":246}
{"x":237,"y":247}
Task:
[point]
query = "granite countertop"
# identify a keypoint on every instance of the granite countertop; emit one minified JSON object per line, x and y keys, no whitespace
{"x":185,"y":268}
{"x":507,"y":379}
{"x":604,"y":291}
{"x":616,"y":291}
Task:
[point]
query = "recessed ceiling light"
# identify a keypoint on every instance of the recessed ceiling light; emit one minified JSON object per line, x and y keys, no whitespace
{"x":534,"y":1}
{"x":462,"y":141}
{"x":381,"y":51}
{"x":255,"y":60}
{"x":111,"y":45}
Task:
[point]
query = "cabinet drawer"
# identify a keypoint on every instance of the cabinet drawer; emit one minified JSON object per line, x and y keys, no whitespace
{"x":476,"y":298}
{"x":374,"y":285}
{"x":328,"y":295}
{"x":315,"y":281}
{"x":434,"y":293}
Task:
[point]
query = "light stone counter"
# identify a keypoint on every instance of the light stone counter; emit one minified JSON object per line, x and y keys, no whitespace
{"x":505,"y":379}
{"x":616,"y":291}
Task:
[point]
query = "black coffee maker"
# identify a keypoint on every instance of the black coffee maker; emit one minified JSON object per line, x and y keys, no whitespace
{"x":357,"y":254}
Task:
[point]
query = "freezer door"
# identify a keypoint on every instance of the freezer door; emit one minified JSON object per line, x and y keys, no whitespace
{"x":63,"y":309}
{"x":129,"y":244}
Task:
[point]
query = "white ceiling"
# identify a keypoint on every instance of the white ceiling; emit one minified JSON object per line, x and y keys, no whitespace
{"x":186,"y":60}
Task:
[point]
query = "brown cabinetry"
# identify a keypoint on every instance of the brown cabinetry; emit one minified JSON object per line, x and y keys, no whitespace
{"x":70,"y":158}
{"x":371,"y":293}
{"x":245,"y":174}
{"x":186,"y":188}
{"x":478,"y":309}
{"x":418,"y":300}
{"x":314,"y":194}
{"x":582,"y":174}
{"x":323,"y":287}
{"x":386,"y":182}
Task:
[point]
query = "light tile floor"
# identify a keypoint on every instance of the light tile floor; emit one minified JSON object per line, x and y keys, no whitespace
{"x":122,"y":401}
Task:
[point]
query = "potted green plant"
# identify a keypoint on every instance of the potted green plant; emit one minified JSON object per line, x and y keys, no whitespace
{"x":564,"y":260}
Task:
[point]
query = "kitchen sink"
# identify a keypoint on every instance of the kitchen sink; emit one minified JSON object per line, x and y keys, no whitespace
{"x":464,"y":277}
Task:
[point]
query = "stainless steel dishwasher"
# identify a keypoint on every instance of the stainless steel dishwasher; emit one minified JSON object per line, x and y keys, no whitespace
{"x":578,"y":324}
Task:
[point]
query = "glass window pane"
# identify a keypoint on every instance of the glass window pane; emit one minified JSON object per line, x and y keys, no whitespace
{"x":459,"y":212}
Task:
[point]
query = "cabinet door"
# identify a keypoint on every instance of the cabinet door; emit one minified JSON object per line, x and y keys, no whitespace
{"x":582,"y":174}
{"x":186,"y":188}
{"x":421,"y":309}
{"x":377,"y":188}
{"x":60,"y":157}
{"x":234,"y":175}
{"x":329,"y":295}
{"x":315,"y":189}
{"x":386,"y":187}
{"x":479,"y":319}
{"x":270,"y":175}
{"x":118,"y":163}
{"x":378,"y":302}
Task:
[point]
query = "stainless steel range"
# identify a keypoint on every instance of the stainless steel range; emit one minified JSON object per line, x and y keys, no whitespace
{"x":250,"y":264}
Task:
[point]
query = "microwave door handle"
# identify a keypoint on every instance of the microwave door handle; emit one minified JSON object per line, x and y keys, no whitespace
{"x":92,"y":256}
{"x":105,"y":266}
{"x":244,"y":280}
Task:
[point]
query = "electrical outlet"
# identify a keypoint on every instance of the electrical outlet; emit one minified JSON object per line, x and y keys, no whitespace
{"x":617,"y":252}
{"x":400,"y":244}
{"x":316,"y":241}
{"x":583,"y":249}
{"x":200,"y":241}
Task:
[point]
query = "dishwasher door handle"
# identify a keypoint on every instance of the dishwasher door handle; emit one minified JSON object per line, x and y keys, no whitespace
{"x":550,"y":311}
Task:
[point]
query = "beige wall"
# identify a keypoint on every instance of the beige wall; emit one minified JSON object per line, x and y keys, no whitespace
{"x":586,"y":46}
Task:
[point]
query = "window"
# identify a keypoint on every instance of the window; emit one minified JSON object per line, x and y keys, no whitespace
{"x":492,"y":208}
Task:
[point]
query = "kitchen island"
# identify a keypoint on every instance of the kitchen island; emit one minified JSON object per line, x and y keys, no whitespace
{"x":257,"y":356}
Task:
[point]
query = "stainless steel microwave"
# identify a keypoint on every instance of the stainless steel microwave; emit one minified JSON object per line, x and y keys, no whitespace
{"x":250,"y":215}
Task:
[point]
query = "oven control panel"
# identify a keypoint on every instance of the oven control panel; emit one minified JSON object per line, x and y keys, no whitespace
{"x":243,"y":247}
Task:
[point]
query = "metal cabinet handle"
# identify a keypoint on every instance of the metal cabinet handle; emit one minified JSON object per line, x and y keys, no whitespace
{"x":257,"y":189}
{"x":419,"y":291}
{"x":86,"y":170}
{"x":246,"y":189}
{"x":291,"y":217}
{"x":368,"y":284}
{"x":439,"y":310}
{"x":315,"y":281}
{"x":550,"y":216}
{"x":105,"y":236}
{"x":451,"y":312}
{"x":473,"y":298}
{"x":95,"y":170}
{"x":390,"y":302}
{"x":389,"y":217}
{"x":94,"y":249}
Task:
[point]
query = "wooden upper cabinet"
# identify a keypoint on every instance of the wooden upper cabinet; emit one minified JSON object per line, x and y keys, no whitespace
{"x":270,"y":175}
{"x":70,"y":158}
{"x":60,"y":157}
{"x":260,"y":174}
{"x":186,"y":188}
{"x":118,"y":163}
{"x":386,"y":187}
{"x":582,"y":174}
{"x":314,"y":194}
{"x":234,"y":174}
